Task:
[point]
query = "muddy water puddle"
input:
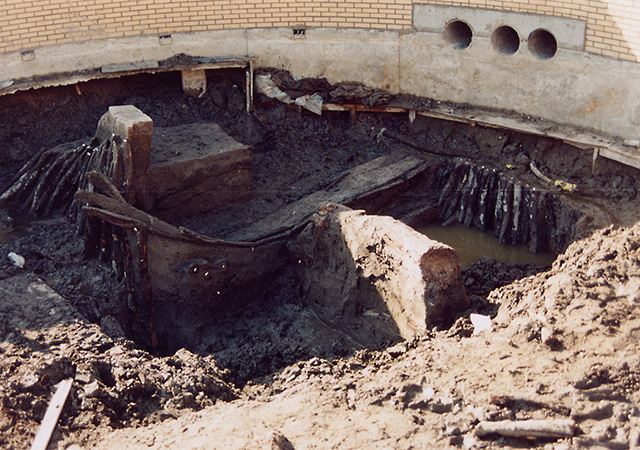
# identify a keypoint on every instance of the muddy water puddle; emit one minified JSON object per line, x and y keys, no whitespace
{"x":471,"y":244}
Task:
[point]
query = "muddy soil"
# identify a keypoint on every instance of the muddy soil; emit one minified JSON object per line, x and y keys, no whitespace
{"x":563,"y":342}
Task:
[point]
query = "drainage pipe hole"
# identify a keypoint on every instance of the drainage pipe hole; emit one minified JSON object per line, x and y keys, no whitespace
{"x":458,"y":34}
{"x":505,"y":40}
{"x":542,"y":44}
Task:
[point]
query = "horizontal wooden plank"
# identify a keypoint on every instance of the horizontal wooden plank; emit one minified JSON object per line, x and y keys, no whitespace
{"x":120,"y":70}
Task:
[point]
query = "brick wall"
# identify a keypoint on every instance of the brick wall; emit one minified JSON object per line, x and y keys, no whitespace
{"x":613,"y":27}
{"x":28,"y":24}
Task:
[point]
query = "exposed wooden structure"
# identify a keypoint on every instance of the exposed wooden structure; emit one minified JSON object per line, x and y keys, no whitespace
{"x":192,"y":278}
{"x":376,"y":278}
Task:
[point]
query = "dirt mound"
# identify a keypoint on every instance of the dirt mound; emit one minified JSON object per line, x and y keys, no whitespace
{"x":561,"y":358}
{"x":590,"y":295}
{"x":45,"y":340}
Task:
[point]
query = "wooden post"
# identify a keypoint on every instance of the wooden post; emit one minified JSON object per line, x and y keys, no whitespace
{"x":249,"y":87}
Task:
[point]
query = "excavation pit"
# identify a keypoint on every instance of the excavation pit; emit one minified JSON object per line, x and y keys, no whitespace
{"x":187,"y":279}
{"x":296,"y":286}
{"x":237,"y":265}
{"x":276,"y":293}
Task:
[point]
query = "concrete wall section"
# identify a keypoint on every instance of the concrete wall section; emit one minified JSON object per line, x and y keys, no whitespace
{"x":569,"y":33}
{"x":338,"y":55}
{"x":572,"y":88}
{"x":611,"y":25}
{"x":95,"y":54}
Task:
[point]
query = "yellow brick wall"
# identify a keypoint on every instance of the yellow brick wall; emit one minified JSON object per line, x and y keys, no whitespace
{"x":29,"y":24}
{"x":613,"y":27}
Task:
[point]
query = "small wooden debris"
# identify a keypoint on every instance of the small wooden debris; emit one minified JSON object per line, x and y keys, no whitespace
{"x":510,"y":401}
{"x":554,"y":429}
{"x":52,"y":415}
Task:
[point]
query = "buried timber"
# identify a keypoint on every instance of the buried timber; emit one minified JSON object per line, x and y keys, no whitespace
{"x":288,"y":242}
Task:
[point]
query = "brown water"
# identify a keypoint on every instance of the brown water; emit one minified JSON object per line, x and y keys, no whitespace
{"x":471,"y":244}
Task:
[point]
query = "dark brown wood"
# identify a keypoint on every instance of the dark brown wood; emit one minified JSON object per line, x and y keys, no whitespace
{"x":104,"y":186}
{"x":147,"y":295}
{"x":68,"y":183}
{"x":124,"y":209}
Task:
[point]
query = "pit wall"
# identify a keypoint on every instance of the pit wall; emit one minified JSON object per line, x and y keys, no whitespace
{"x":590,"y":81}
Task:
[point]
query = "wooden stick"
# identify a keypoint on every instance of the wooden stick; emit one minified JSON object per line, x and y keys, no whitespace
{"x":564,"y":185}
{"x":124,"y":209}
{"x":104,"y":186}
{"x":29,"y":165}
{"x":510,"y":401}
{"x":26,"y":181}
{"x":52,"y":415}
{"x":556,"y":429}
{"x":119,"y":220}
{"x":47,"y":181}
{"x":58,"y":198}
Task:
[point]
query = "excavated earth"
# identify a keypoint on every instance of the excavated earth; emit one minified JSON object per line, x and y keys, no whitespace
{"x":563,"y":346}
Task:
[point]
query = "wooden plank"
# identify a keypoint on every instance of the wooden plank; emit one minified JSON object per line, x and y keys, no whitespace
{"x":96,"y":73}
{"x":249,"y":87}
{"x":364,"y":180}
{"x":630,"y":158}
{"x":363,"y":108}
{"x":129,"y":66}
{"x":52,"y":415}
{"x":552,"y":429}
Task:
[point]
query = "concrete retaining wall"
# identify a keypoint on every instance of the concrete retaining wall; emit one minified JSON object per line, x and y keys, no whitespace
{"x":25,"y":25}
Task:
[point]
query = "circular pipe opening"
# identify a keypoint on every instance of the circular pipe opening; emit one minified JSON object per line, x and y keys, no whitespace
{"x":505,"y":40}
{"x":458,"y":34}
{"x":542,"y":44}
